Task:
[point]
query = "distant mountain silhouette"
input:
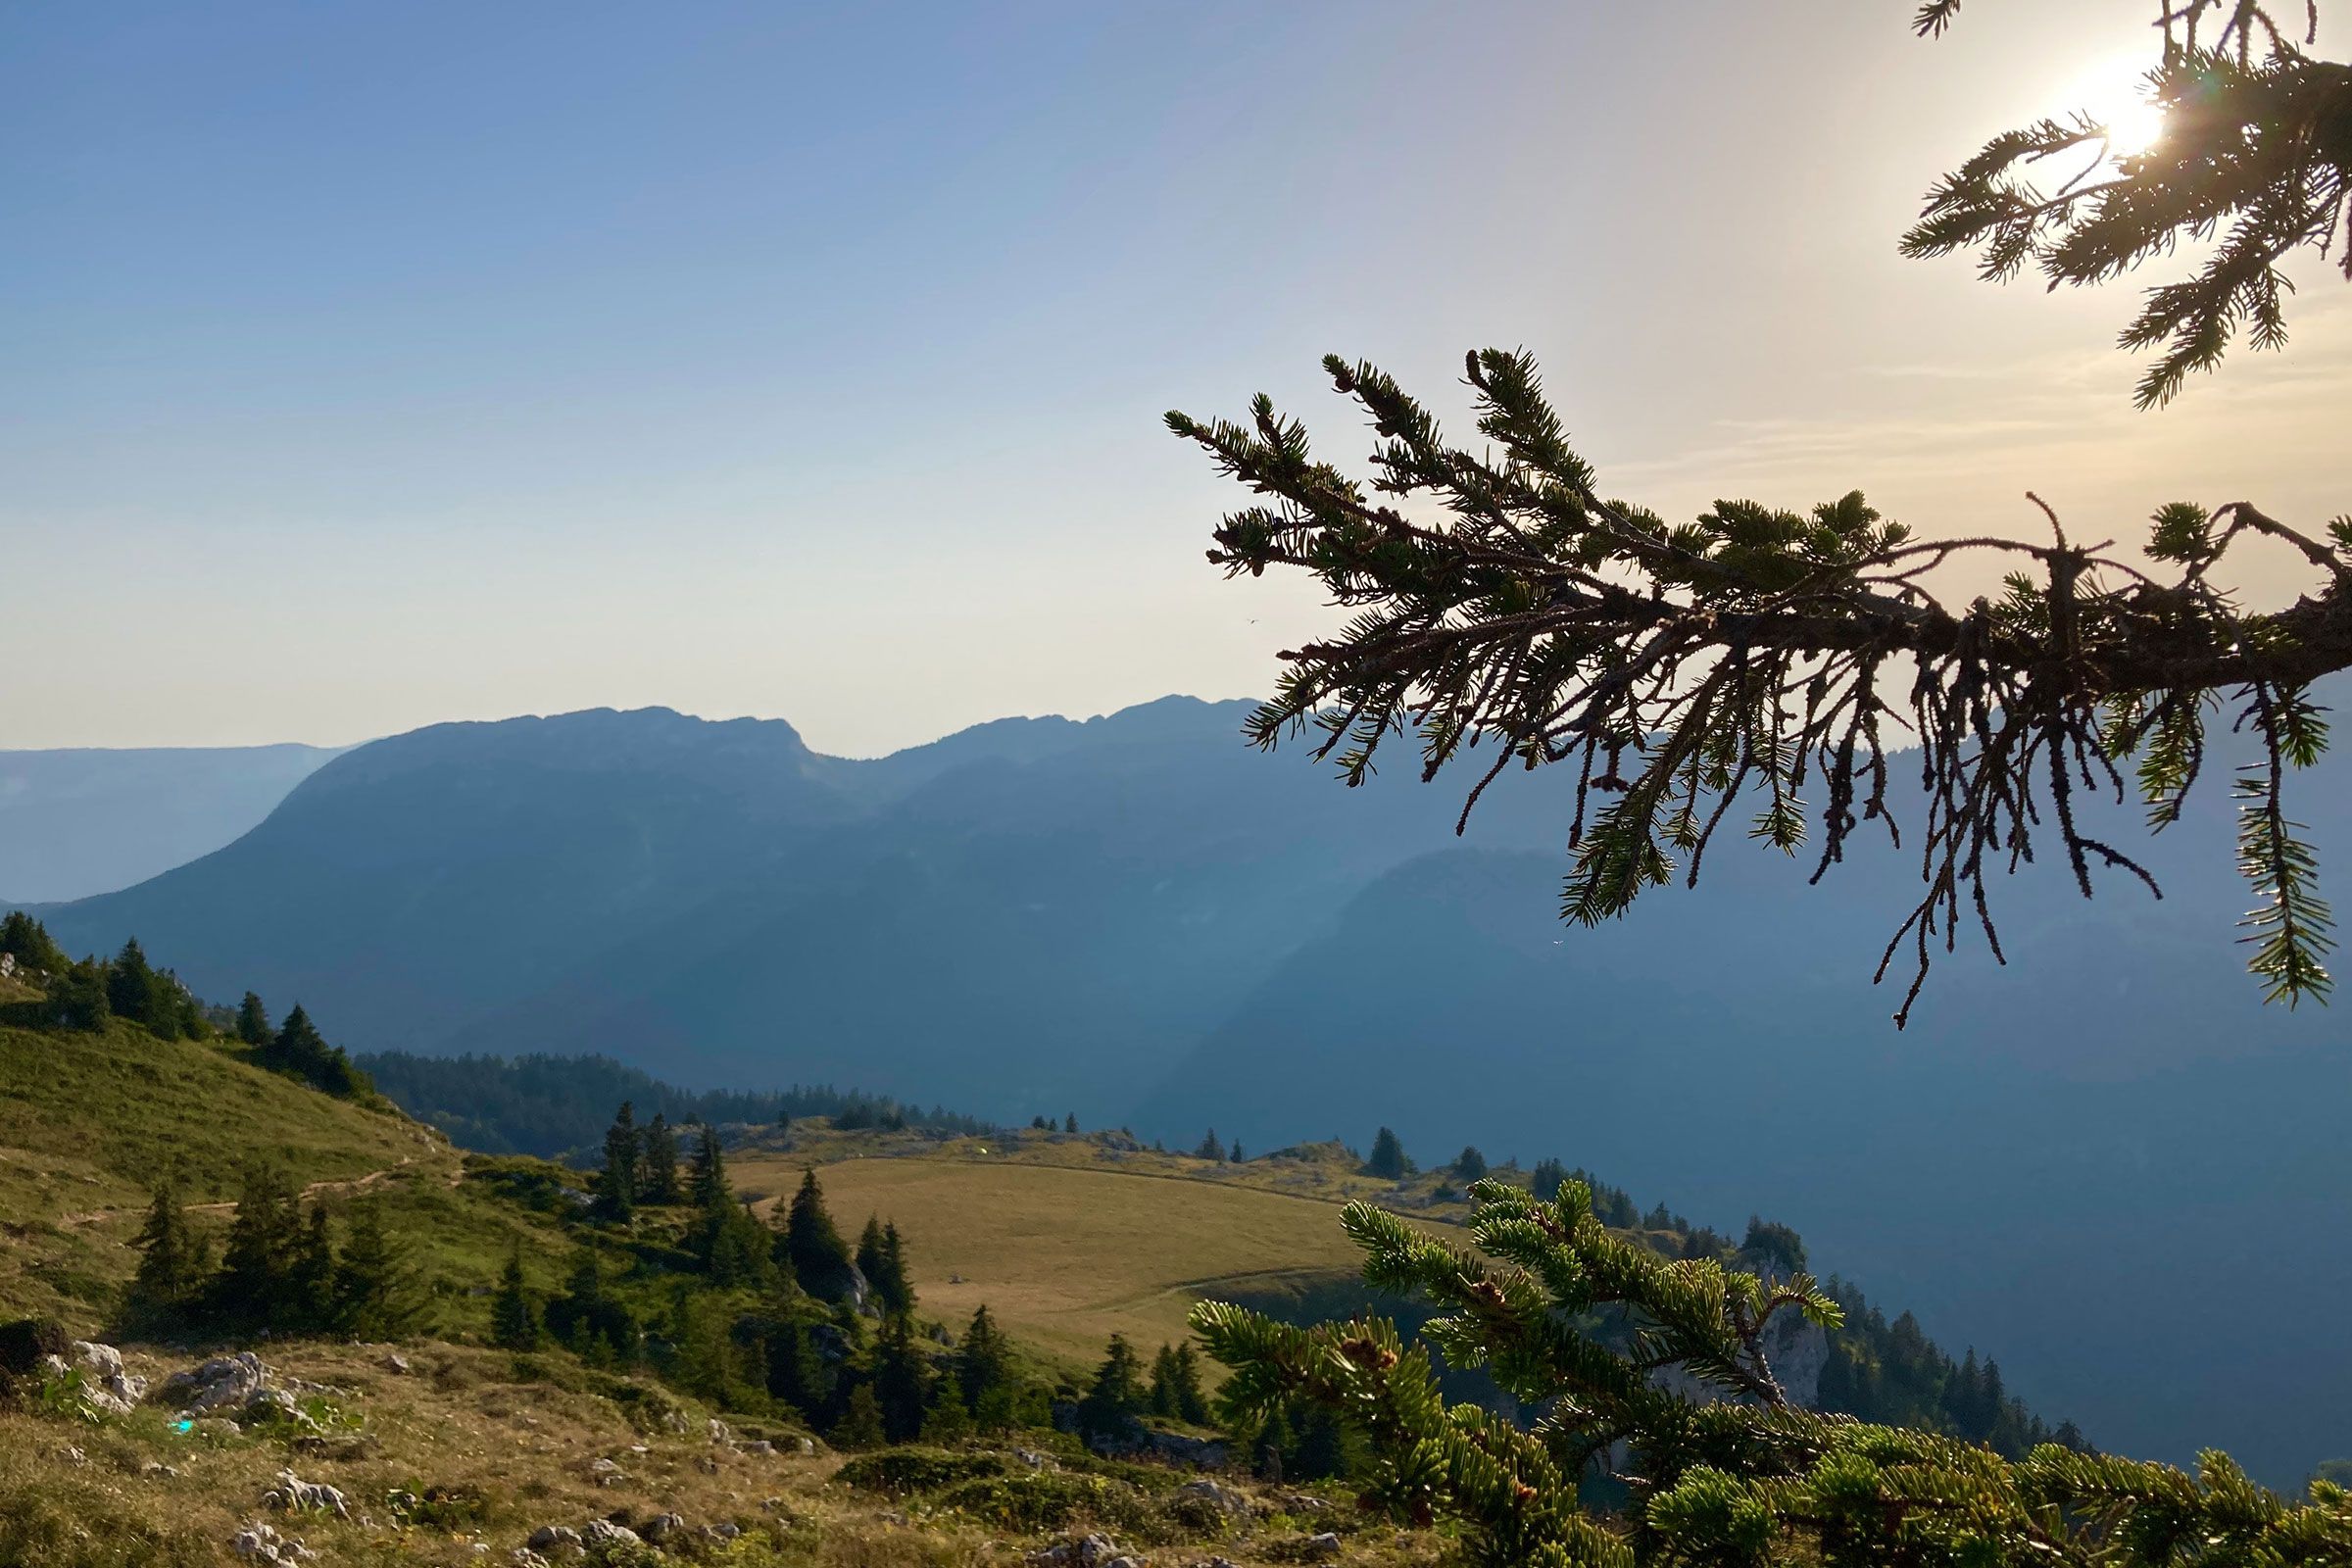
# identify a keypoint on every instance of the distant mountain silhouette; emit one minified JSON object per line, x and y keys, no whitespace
{"x":1139,"y":918}
{"x":82,"y":822}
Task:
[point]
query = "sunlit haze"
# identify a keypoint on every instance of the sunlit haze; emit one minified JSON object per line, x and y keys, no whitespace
{"x":371,"y":366}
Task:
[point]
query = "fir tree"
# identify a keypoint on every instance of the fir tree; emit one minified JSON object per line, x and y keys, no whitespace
{"x":901,"y":1380}
{"x":1546,"y":1179}
{"x":174,"y":1263}
{"x":77,"y":1000}
{"x":1162,"y":1401}
{"x":311,"y":1273}
{"x":1233,"y":1155}
{"x":947,"y":1422}
{"x":895,"y":1287}
{"x":1500,"y":599}
{"x":1191,"y":1403}
{"x":1753,"y":1480}
{"x":869,"y":1255}
{"x":861,"y":1423}
{"x":514,"y":1317}
{"x":28,"y":942}
{"x":1210,"y":1147}
{"x":259,"y":1261}
{"x":1388,"y":1161}
{"x":1470,"y":1165}
{"x":657,"y":1162}
{"x":811,"y":1247}
{"x":375,"y":1291}
{"x":616,"y":1185}
{"x":253,"y":1021}
{"x":1117,"y":1396}
{"x":1069,"y":1123}
{"x":984,"y":1368}
{"x":707,"y":1185}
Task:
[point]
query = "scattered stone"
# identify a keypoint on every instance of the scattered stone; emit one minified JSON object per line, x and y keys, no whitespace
{"x":602,"y":1535}
{"x":293,"y":1494}
{"x":1227,"y":1499}
{"x":397,"y":1363}
{"x":604,"y":1472}
{"x":722,"y":1531}
{"x":73,"y":1455}
{"x":1030,"y":1457}
{"x":158,"y":1470}
{"x":260,"y":1543}
{"x":721,"y":1432}
{"x":662,"y":1526}
{"x":1303,"y":1503}
{"x":525,"y":1558}
{"x":548,"y":1538}
{"x":1326,"y":1544}
{"x":1088,"y":1552}
{"x":762,"y":1446}
{"x":805,"y":1447}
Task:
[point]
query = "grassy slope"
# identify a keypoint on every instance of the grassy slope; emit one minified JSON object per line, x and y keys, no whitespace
{"x":89,"y":1122}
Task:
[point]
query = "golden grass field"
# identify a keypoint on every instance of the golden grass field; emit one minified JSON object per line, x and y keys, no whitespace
{"x":1065,"y":1254}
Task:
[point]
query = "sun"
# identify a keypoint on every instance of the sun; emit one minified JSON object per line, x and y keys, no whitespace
{"x":2116,"y":94}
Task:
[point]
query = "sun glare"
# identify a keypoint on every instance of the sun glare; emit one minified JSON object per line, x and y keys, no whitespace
{"x":2116,"y":94}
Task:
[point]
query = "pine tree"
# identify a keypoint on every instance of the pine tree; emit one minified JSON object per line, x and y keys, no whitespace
{"x":253,"y":1021}
{"x":1162,"y":1401}
{"x":1069,"y":1123}
{"x":1117,"y":1396}
{"x":657,"y":1162}
{"x":984,"y":1366}
{"x":1192,"y":1402}
{"x":616,"y":1186}
{"x":1388,"y":1161}
{"x":259,"y":1261}
{"x":1753,"y":1480}
{"x":174,"y":1263}
{"x":1233,"y":1155}
{"x":28,"y":942}
{"x":513,"y":1318}
{"x":947,"y":1422}
{"x":895,"y":1286}
{"x":1210,"y":1147}
{"x":311,"y":1273}
{"x":1546,"y":1179}
{"x":707,"y":1185}
{"x":375,"y":1294}
{"x":811,"y":1247}
{"x":135,"y":992}
{"x":902,"y":1379}
{"x":1470,"y":1165}
{"x":861,"y":1423}
{"x":77,"y":1000}
{"x":868,"y":1256}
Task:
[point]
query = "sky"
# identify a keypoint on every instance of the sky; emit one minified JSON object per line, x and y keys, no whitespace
{"x":365,"y":366}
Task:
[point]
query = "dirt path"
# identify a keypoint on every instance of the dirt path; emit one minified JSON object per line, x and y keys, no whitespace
{"x":343,"y":1185}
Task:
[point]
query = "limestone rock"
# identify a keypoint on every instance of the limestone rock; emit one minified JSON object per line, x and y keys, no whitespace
{"x":293,"y":1494}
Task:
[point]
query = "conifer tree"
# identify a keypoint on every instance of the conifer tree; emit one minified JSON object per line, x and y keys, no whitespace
{"x":1749,"y":1479}
{"x":1162,"y":1401}
{"x":1470,"y":1165}
{"x":1500,"y":599}
{"x":28,"y":942}
{"x":175,"y":1263}
{"x":1192,"y":1402}
{"x":616,"y":1186}
{"x":1210,"y":1147}
{"x":1546,"y":1179}
{"x":136,"y":993}
{"x":1233,"y":1154}
{"x":861,"y":1423}
{"x":311,"y":1272}
{"x":259,"y":1261}
{"x":984,"y":1369}
{"x":810,"y":1246}
{"x":1069,"y":1123}
{"x":253,"y":1021}
{"x":896,"y":1286}
{"x":902,"y":1379}
{"x":868,"y":1256}
{"x":1118,"y":1395}
{"x":375,"y":1288}
{"x":657,"y":1162}
{"x":1388,"y":1161}
{"x":77,"y":1000}
{"x":947,"y":1422}
{"x":707,"y":1185}
{"x":514,"y":1317}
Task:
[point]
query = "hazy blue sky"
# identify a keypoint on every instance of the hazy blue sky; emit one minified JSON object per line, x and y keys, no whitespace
{"x":363,"y":367}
